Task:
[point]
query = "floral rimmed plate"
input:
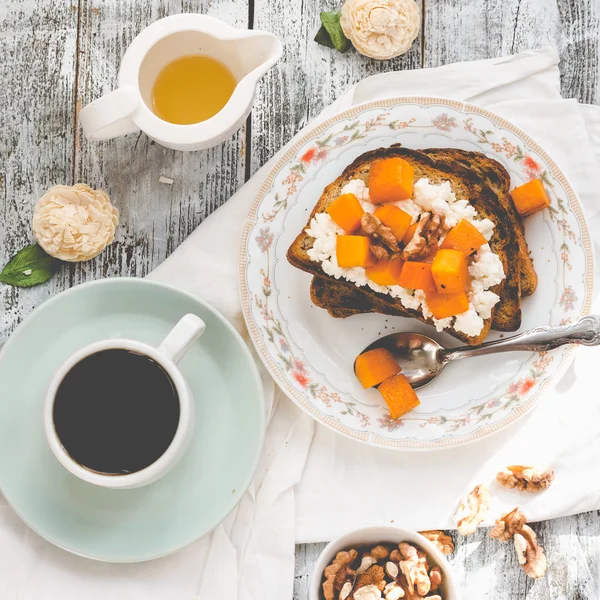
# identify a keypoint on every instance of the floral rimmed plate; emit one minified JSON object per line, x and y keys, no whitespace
{"x":311,"y":354}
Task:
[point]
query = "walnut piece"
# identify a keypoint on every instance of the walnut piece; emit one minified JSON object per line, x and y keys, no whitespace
{"x":508,"y":524}
{"x":379,"y":553}
{"x":393,"y":591}
{"x":435,"y":576}
{"x":338,"y":573}
{"x":426,"y":237}
{"x":414,"y":567}
{"x":472,"y":509}
{"x":395,"y":556}
{"x":346,"y":589}
{"x":441,"y":540}
{"x":379,"y":233}
{"x":381,"y":253}
{"x":525,"y":478}
{"x":531,"y":556}
{"x":374,"y":576}
{"x":367,"y":592}
{"x":366,"y":563}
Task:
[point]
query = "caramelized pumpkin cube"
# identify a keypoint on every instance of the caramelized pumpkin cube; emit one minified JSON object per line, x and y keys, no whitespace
{"x":396,"y":219}
{"x":450,"y":271}
{"x":398,"y":395}
{"x":347,"y":212}
{"x":447,"y":305}
{"x":374,"y":366}
{"x":465,"y":237}
{"x":391,"y":180}
{"x":410,"y":232}
{"x":417,"y":276}
{"x":353,"y":251}
{"x":530,"y":197}
{"x":386,"y":272}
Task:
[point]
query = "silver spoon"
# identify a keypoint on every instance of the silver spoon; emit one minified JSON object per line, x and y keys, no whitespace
{"x":423,"y":359}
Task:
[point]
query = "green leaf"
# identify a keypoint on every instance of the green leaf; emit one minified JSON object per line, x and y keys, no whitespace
{"x":30,"y":266}
{"x":331,"y":33}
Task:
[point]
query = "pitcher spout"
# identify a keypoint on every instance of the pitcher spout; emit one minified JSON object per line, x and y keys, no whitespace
{"x":260,"y":51}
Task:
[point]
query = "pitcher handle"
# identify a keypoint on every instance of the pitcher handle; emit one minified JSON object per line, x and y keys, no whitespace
{"x":111,"y":115}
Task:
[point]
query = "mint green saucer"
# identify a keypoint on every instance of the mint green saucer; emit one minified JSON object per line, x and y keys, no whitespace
{"x":193,"y":498}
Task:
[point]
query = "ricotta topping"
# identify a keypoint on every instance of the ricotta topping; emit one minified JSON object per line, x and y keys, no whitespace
{"x":485,"y":269}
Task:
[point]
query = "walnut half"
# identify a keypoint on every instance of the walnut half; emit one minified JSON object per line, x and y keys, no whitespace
{"x":531,"y":556}
{"x":472,"y":509}
{"x":430,"y":229}
{"x":525,"y":479}
{"x":381,"y":236}
{"x":507,"y":525}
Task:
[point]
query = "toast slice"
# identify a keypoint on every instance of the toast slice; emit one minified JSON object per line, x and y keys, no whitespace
{"x":507,"y":316}
{"x":464,"y":183}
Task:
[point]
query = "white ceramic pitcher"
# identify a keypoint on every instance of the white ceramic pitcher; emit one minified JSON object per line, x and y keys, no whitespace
{"x":247,"y":53}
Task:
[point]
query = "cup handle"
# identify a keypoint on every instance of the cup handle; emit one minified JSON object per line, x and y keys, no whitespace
{"x":110,"y":116}
{"x":181,"y":338}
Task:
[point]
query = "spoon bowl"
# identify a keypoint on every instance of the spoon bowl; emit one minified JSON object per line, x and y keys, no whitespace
{"x":417,"y":355}
{"x":422,"y":359}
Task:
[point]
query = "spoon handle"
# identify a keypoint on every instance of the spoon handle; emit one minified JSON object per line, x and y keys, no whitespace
{"x":586,"y":332}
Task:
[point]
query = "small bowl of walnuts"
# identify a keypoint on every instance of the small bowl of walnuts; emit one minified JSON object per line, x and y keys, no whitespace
{"x":382,"y":563}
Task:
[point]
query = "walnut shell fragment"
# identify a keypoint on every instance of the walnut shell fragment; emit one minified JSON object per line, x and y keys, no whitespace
{"x":525,"y":478}
{"x":440,"y":539}
{"x":471,"y":510}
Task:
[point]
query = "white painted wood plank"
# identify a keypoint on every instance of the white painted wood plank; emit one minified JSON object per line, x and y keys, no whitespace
{"x":457,"y":30}
{"x":37,"y":69}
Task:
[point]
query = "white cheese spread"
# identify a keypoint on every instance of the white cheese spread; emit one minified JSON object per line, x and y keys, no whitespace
{"x":485,"y":268}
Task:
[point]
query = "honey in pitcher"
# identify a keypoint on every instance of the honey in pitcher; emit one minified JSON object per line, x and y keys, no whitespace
{"x":192,"y":89}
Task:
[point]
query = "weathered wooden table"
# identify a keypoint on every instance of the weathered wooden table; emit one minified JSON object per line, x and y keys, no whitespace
{"x":57,"y":55}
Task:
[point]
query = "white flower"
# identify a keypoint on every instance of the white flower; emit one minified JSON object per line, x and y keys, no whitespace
{"x":381,"y":28}
{"x":74,"y":223}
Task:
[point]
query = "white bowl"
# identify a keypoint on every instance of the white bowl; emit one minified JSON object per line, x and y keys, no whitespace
{"x":383,"y":534}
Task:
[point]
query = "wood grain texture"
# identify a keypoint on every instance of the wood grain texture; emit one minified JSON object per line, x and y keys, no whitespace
{"x":37,"y":70}
{"x":47,"y":83}
{"x":457,"y":30}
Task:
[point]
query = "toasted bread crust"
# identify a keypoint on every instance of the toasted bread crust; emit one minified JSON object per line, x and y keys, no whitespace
{"x":466,"y":184}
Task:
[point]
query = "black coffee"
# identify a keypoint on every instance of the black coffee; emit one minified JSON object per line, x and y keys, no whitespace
{"x":116,"y":412}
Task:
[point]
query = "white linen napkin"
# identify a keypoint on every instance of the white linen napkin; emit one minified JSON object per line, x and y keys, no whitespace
{"x":312,"y":484}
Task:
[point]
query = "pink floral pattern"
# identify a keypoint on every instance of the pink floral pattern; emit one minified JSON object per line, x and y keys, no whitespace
{"x":365,"y":415}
